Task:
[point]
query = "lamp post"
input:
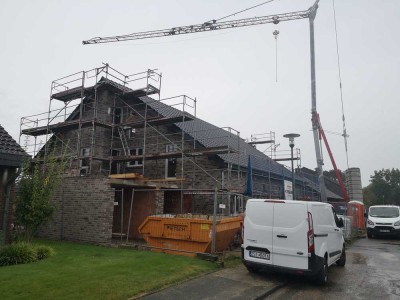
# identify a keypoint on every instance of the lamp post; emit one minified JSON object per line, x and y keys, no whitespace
{"x":291,"y":137}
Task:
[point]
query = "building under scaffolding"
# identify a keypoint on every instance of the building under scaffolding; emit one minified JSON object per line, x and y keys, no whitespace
{"x":132,"y":154}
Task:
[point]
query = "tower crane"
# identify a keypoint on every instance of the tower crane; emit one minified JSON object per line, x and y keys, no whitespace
{"x":208,"y":26}
{"x":212,"y":25}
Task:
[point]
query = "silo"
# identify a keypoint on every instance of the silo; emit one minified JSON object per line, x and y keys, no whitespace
{"x":353,"y":184}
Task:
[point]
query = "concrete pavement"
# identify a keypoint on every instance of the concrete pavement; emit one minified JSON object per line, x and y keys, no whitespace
{"x":372,"y":272}
{"x":233,"y":283}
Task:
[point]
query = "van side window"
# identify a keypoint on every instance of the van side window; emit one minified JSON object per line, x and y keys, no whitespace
{"x":322,"y":215}
{"x":330,"y":216}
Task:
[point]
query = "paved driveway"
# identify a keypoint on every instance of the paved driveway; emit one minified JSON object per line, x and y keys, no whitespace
{"x":372,"y":271}
{"x":234,"y":283}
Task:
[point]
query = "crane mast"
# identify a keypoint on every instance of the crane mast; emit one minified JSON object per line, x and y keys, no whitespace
{"x":215,"y":25}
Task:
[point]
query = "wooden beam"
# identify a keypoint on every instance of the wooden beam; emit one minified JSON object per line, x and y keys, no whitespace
{"x":165,"y":180}
{"x":126,"y":176}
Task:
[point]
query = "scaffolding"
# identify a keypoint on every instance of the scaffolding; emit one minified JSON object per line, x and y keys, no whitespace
{"x":106,"y":124}
{"x":76,"y":106}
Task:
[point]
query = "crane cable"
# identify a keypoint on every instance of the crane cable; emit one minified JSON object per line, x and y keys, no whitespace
{"x":276,"y":33}
{"x":238,"y":12}
{"x":340,"y":85}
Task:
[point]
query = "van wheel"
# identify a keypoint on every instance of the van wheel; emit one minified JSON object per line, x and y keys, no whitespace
{"x":342,"y":260}
{"x":322,"y":275}
{"x":369,"y":235}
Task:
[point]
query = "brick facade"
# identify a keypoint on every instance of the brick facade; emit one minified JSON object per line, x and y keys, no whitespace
{"x":89,"y":210}
{"x":84,"y":211}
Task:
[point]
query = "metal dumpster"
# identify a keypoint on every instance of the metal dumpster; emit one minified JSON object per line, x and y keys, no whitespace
{"x":187,"y":235}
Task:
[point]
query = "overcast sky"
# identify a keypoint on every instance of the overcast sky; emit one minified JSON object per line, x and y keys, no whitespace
{"x":231,"y":72}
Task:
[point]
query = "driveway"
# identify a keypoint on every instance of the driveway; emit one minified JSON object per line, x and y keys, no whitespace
{"x":233,"y":283}
{"x":372,"y":271}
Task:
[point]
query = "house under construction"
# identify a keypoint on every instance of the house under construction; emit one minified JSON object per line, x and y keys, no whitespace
{"x":132,"y":154}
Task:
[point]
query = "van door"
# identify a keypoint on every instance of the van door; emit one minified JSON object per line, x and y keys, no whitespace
{"x":337,"y":237}
{"x":290,"y":245}
{"x":326,"y":231}
{"x":257,"y":242}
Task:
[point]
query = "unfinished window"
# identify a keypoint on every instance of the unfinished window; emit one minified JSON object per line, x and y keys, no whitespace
{"x":170,"y":163}
{"x":117,"y":115}
{"x":135,"y":163}
{"x":84,"y":163}
{"x":130,"y":132}
{"x":85,"y":152}
{"x":115,"y":166}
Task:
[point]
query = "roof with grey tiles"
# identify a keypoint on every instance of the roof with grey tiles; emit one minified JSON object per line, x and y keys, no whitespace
{"x":210,"y":135}
{"x":11,"y":153}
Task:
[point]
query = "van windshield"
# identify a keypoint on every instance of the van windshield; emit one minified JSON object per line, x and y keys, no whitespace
{"x":384,"y":212}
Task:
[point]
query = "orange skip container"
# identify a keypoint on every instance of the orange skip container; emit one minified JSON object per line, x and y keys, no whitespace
{"x":188,"y":236}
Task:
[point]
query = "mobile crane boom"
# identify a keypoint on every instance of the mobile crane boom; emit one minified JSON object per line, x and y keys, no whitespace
{"x":317,"y":123}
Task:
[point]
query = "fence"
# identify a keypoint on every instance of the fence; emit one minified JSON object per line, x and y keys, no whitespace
{"x":178,"y":221}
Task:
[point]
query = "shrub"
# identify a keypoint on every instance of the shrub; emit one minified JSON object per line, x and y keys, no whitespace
{"x":18,"y":253}
{"x":36,"y":185}
{"x":43,"y":252}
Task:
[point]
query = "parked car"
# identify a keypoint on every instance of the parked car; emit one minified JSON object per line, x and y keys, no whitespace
{"x":383,"y":220}
{"x":297,"y":237}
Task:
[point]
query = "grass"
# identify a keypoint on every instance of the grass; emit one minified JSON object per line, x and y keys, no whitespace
{"x":232,"y":259}
{"x":79,"y":271}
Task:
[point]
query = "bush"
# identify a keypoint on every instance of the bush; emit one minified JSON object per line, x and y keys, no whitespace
{"x":23,"y":253}
{"x":18,"y":253}
{"x":43,"y":252}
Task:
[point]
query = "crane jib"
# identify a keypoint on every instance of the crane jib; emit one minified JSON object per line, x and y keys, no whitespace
{"x":207,"y":26}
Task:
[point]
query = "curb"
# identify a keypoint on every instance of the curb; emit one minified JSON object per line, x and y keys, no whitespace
{"x":271,"y":291}
{"x":172,"y":285}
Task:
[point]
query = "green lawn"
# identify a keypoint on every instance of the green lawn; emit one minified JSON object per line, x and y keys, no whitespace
{"x":79,"y":271}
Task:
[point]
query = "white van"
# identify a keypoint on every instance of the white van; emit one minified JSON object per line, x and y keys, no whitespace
{"x":292,"y":236}
{"x":383,"y":220}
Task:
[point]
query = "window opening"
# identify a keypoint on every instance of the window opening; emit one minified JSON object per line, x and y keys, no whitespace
{"x":84,"y":163}
{"x":117,"y":115}
{"x":170,"y":163}
{"x":134,"y":163}
{"x":130,"y":132}
{"x":115,"y":166}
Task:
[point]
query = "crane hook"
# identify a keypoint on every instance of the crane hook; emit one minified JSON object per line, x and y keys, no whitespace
{"x":276,"y":33}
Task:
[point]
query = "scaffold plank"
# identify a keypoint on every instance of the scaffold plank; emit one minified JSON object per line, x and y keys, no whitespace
{"x":62,"y":126}
{"x":177,"y":154}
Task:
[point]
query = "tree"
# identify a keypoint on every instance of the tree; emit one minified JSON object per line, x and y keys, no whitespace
{"x":36,"y":185}
{"x":384,"y":187}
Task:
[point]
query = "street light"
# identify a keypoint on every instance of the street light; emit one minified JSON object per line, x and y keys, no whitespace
{"x":291,"y":137}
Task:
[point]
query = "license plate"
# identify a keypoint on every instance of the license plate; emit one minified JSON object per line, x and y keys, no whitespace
{"x":259,"y":254}
{"x":384,"y":230}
